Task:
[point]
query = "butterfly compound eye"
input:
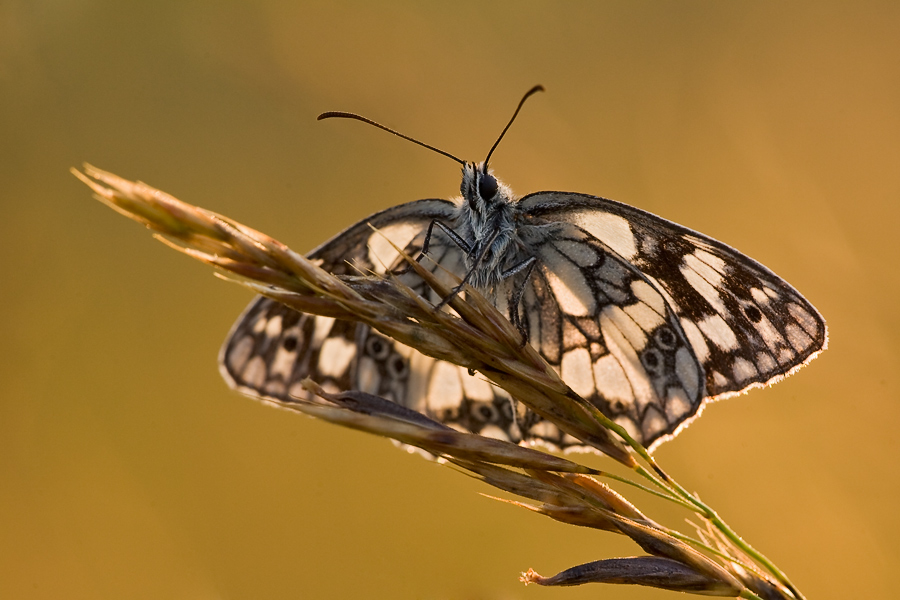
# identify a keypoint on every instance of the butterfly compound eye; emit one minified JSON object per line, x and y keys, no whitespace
{"x":487,"y":187}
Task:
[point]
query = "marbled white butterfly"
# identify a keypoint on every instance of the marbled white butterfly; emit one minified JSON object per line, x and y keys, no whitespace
{"x":646,"y":319}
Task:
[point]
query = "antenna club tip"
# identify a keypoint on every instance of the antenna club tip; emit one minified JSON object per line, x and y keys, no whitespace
{"x":528,"y":94}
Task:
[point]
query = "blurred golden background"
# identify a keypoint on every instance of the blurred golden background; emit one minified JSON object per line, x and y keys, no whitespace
{"x":129,"y":470}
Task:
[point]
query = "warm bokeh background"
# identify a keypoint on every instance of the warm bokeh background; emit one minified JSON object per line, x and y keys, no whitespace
{"x":129,"y":470}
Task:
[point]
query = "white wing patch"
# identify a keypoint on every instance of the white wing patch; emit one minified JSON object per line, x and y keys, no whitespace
{"x":696,"y":338}
{"x":644,"y":316}
{"x":445,"y":390}
{"x":382,"y":255}
{"x":624,"y":352}
{"x":765,"y":363}
{"x":612,"y":382}
{"x":760,"y":296}
{"x":568,"y":284}
{"x":612,"y":230}
{"x":698,"y":274}
{"x":744,"y":370}
{"x":335,"y":356}
{"x":644,"y":292}
{"x":322,"y":327}
{"x":718,"y":332}
{"x":255,"y":371}
{"x":283,"y":363}
{"x":716,"y":263}
{"x":240,"y":353}
{"x":477,"y":388}
{"x":798,"y":338}
{"x":613,"y":316}
{"x":688,"y":373}
{"x":368,"y":379}
{"x":576,"y":371}
{"x":678,"y":405}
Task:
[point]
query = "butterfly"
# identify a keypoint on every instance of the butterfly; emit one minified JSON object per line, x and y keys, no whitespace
{"x":644,"y":318}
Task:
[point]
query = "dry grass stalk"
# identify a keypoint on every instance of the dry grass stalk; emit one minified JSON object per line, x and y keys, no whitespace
{"x":477,"y":337}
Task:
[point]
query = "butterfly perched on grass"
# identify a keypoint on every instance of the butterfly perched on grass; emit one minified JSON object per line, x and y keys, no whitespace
{"x":646,"y":319}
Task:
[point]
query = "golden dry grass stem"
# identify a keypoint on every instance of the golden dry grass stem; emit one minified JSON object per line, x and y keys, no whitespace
{"x":476,"y":336}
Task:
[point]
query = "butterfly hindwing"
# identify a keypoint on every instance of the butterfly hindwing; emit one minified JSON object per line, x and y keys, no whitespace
{"x":610,"y":334}
{"x":272,"y":348}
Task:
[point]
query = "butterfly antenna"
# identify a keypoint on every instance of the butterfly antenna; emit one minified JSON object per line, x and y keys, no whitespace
{"x":346,"y":115}
{"x":534,"y":90}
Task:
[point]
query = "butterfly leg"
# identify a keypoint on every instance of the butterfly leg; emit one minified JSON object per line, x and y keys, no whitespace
{"x":463,"y":244}
{"x":480,"y":259}
{"x":516,"y":299}
{"x":459,"y":241}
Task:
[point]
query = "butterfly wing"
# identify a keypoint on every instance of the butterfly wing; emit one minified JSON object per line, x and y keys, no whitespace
{"x":641,"y":316}
{"x":610,"y":334}
{"x":272,"y":348}
{"x":746,"y":326}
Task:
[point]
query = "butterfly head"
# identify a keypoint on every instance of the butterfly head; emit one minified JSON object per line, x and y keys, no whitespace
{"x":481,"y":190}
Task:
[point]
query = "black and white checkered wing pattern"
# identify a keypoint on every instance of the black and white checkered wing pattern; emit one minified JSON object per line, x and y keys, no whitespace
{"x":746,"y":326}
{"x":272,"y":348}
{"x":644,"y":318}
{"x":610,"y":334}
